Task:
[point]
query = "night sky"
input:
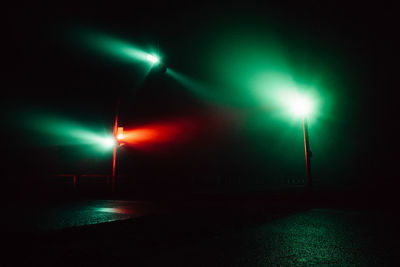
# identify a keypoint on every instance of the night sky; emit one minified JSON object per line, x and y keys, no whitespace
{"x":346,"y":49}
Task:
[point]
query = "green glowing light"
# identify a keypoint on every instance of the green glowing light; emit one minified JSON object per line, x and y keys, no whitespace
{"x":285,"y":96}
{"x":257,"y":70}
{"x":153,"y":59}
{"x":119,"y":49}
{"x":301,"y":106}
{"x":57,"y":130}
{"x":192,"y":85}
{"x":108,"y":142}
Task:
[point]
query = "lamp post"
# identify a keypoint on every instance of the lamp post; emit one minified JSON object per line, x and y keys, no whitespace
{"x":115,"y":134}
{"x":302,"y":106}
{"x":308,"y":154}
{"x":157,"y":66}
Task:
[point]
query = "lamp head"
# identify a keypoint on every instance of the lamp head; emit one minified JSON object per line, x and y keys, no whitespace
{"x":153,"y":59}
{"x":301,"y":106}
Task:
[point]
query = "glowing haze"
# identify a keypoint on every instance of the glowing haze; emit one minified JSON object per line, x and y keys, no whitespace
{"x":174,"y":131}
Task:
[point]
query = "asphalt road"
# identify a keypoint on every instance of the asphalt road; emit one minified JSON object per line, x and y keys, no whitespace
{"x":28,"y":217}
{"x":207,"y":234}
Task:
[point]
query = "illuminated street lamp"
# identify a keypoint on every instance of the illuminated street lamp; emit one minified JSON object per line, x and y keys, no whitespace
{"x":302,"y":106}
{"x":108,"y":142}
{"x":115,"y":132}
{"x":157,"y":67}
{"x":308,"y":154}
{"x":125,"y":51}
{"x":153,"y":58}
{"x":120,"y":134}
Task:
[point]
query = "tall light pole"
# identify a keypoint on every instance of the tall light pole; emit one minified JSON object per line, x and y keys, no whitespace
{"x":115,"y":134}
{"x":308,"y":154}
{"x":302,"y":106}
{"x":157,"y":66}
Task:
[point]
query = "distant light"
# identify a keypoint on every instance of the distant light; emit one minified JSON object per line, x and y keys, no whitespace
{"x":152,"y":58}
{"x":301,"y":106}
{"x":120,"y":136}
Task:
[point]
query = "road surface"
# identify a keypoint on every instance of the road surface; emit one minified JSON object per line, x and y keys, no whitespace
{"x":61,"y":215}
{"x":145,"y":234}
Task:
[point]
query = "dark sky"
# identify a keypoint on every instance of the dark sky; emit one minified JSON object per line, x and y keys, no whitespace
{"x":46,"y":69}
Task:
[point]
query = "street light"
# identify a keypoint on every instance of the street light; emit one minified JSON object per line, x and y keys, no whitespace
{"x":120,"y":133}
{"x":153,"y":58}
{"x":308,"y":153}
{"x":157,"y":67}
{"x":108,"y":142}
{"x":302,"y":106}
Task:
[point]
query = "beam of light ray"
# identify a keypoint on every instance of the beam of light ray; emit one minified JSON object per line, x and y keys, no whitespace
{"x":115,"y":47}
{"x":195,"y":87}
{"x":176,"y":131}
{"x":118,"y":49}
{"x":258,"y":69}
{"x":52,"y":130}
{"x":122,"y":51}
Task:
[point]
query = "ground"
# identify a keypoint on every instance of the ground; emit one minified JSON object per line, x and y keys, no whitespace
{"x":208,"y":231}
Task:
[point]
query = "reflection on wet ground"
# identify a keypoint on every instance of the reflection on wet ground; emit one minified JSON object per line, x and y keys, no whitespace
{"x":217,"y":231}
{"x":56,"y":216}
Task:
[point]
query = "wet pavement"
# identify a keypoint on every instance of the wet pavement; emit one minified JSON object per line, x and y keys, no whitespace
{"x":206,"y":233}
{"x":316,"y":237}
{"x":60,"y":215}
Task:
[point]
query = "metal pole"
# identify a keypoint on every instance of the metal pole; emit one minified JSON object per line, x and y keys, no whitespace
{"x":115,"y":132}
{"x":113,"y":172}
{"x":74,"y":181}
{"x":308,"y":154}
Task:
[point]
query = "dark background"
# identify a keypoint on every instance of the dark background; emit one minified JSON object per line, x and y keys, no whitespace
{"x":44,"y":69}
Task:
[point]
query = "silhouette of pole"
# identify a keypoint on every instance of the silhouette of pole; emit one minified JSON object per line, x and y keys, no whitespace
{"x":308,"y":154}
{"x":115,"y":132}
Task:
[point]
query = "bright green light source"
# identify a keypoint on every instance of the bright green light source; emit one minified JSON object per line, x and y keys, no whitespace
{"x":153,"y":59}
{"x":301,"y":106}
{"x":56,"y":130}
{"x":282,"y":93}
{"x":108,"y":142}
{"x":118,"y":48}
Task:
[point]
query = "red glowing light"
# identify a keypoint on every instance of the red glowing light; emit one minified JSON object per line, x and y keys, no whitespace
{"x":120,"y":133}
{"x":158,"y":133}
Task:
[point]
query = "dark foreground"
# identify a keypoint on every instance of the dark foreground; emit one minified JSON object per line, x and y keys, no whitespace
{"x":219,"y":231}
